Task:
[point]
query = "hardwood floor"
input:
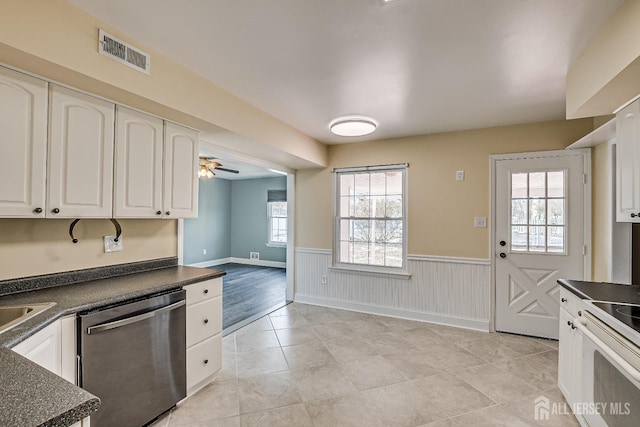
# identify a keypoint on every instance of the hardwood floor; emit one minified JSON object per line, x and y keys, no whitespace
{"x":250,"y":292}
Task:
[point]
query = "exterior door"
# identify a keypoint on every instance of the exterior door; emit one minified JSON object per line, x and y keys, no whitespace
{"x":539,"y":237}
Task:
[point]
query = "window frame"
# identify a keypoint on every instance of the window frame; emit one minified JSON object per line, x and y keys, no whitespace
{"x":401,"y":272}
{"x":273,"y":243}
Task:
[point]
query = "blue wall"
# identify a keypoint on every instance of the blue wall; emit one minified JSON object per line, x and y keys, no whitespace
{"x":232,"y":220}
{"x":249,"y":228}
{"x":212,"y":229}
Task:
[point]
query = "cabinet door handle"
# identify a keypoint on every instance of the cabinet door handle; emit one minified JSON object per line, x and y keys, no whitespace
{"x":206,"y":321}
{"x":633,"y":215}
{"x":167,"y":213}
{"x":55,"y":210}
{"x":205,"y":361}
{"x":206,"y":291}
{"x":37,"y":210}
{"x":159,"y":213}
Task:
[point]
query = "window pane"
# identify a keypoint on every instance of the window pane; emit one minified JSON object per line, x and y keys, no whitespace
{"x":346,"y":252}
{"x":555,"y":184}
{"x":394,"y":231}
{"x":556,"y":239}
{"x":347,"y":185}
{"x":519,"y":211}
{"x":556,"y":211}
{"x":378,"y":184}
{"x":378,"y":254}
{"x":394,"y":183}
{"x":361,"y":253}
{"x":393,"y":256}
{"x":346,"y":206}
{"x":394,"y":207}
{"x":345,"y":229}
{"x":537,"y":185}
{"x":380,"y":231}
{"x":362,"y":184}
{"x":361,"y":207}
{"x":361,"y":231}
{"x":537,"y":212}
{"x":537,"y":239}
{"x":519,"y":186}
{"x":519,"y":238}
{"x":378,"y":206}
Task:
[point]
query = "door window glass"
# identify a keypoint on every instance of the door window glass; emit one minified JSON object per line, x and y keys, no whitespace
{"x":538,"y":212}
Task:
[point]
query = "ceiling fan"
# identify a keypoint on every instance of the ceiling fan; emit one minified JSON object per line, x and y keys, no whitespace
{"x":208,"y":165}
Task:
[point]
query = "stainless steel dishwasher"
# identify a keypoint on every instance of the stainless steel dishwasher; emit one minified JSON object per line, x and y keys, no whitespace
{"x":132,"y":356}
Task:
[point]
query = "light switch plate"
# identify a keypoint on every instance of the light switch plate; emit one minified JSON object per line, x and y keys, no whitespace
{"x":110,"y":245}
{"x":480,"y":222}
{"x":459,"y":175}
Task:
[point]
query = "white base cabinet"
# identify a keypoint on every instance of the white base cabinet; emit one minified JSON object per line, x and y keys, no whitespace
{"x":570,"y":350}
{"x":204,"y":333}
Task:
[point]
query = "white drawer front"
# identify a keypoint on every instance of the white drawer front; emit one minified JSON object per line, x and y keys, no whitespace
{"x":570,"y":302}
{"x":203,"y":360}
{"x":204,"y":320}
{"x":203,"y":290}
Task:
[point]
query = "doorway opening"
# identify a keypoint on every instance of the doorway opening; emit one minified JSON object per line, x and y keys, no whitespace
{"x":244,"y":228}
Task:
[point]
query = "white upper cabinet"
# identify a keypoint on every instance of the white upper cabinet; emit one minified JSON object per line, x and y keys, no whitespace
{"x":138,"y":165}
{"x":23,"y":126}
{"x":80,"y":181}
{"x":180,"y":172}
{"x":628,"y":163}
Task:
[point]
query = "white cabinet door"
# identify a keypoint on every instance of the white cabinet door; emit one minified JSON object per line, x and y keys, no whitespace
{"x":138,"y":165}
{"x":43,"y":348}
{"x":23,"y":126}
{"x":180,"y":172}
{"x":80,"y":155}
{"x":569,"y":358}
{"x":628,"y":164}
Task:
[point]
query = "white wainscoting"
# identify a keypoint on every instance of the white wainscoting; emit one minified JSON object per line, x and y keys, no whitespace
{"x":450,"y":291}
{"x":246,"y":261}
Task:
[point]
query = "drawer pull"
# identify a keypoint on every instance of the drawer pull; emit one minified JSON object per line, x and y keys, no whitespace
{"x":206,"y":291}
{"x":206,"y":321}
{"x":205,"y":361}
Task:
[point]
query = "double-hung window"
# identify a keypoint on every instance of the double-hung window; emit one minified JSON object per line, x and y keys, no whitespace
{"x":370,"y":218}
{"x":277,"y":217}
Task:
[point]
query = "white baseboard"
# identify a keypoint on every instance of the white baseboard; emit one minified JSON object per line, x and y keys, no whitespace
{"x":246,"y":261}
{"x":460,"y":322}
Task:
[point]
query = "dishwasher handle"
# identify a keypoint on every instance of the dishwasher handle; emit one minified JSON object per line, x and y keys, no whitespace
{"x":133,"y":319}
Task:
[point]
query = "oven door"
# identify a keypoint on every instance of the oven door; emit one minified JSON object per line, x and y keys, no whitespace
{"x":610,"y":375}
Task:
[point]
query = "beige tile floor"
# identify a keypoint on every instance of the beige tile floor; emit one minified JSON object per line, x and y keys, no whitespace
{"x":305,"y":365}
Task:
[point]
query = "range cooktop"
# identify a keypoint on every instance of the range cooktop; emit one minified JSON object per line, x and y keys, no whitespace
{"x":627,"y":314}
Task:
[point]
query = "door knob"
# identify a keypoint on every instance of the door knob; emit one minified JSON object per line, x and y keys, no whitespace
{"x":158,"y":212}
{"x":502,"y":243}
{"x":503,"y":255}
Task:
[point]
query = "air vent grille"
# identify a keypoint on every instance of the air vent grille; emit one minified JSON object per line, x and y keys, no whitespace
{"x":123,"y":52}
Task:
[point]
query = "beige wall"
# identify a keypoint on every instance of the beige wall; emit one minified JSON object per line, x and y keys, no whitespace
{"x":608,"y":73}
{"x":39,"y":246}
{"x":441,"y":209}
{"x":58,"y":41}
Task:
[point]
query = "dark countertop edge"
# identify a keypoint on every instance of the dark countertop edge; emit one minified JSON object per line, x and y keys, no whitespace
{"x":568,"y":285}
{"x":88,"y":406}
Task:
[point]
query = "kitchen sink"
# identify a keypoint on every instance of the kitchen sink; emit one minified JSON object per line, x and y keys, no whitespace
{"x":12,"y":315}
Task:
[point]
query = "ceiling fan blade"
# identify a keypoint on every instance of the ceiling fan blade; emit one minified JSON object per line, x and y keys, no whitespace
{"x":219,"y":168}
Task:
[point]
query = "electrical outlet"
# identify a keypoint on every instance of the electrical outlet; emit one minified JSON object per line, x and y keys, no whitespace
{"x":480,"y":222}
{"x":459,"y":175}
{"x":204,"y":252}
{"x":323,"y":280}
{"x":254,"y":255}
{"x":110,"y":244}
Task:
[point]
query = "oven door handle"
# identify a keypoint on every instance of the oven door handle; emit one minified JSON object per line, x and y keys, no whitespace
{"x":133,"y":319}
{"x":581,"y":324}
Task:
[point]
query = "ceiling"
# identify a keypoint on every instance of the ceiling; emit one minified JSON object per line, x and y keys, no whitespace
{"x":415,"y":66}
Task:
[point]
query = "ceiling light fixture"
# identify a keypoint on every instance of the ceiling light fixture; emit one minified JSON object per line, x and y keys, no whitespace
{"x":353,"y":126}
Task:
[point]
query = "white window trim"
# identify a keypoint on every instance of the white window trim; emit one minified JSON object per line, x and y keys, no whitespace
{"x":400,"y":272}
{"x":270,"y":243}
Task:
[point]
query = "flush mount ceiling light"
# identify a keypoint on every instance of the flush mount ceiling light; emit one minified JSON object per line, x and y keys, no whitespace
{"x":353,"y":126}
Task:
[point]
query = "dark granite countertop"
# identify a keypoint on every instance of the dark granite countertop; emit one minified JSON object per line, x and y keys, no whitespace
{"x":602,"y":291}
{"x":33,"y":396}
